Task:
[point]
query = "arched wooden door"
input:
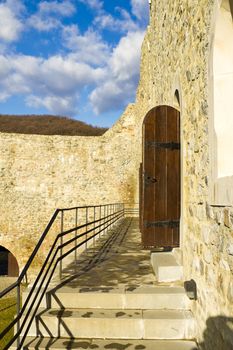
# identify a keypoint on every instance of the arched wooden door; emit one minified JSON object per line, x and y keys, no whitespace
{"x":160,"y":179}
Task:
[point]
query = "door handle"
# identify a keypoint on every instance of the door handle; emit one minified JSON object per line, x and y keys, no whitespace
{"x":150,"y":179}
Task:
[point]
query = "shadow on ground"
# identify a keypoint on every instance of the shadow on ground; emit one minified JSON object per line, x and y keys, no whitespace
{"x":116,"y":259}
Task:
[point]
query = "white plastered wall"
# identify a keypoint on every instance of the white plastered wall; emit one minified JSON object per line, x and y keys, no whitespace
{"x":223,"y":104}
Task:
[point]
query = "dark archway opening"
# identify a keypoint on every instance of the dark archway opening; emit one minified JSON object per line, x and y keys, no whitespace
{"x":8,"y":263}
{"x":177,"y":97}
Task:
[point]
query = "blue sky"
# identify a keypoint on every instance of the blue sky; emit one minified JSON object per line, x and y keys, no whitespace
{"x":78,"y":58}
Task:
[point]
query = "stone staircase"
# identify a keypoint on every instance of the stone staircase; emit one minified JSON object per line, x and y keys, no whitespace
{"x":118,"y":314}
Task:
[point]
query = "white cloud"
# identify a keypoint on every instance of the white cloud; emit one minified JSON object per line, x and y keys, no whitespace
{"x":125,"y":23}
{"x":140,"y":8}
{"x":4,"y":67}
{"x":126,"y":56}
{"x":57,"y":75}
{"x":15,"y":84}
{"x":64,"y":75}
{"x":64,"y":8}
{"x":123,"y":72}
{"x":48,"y":15}
{"x":3,"y":96}
{"x":110,"y":96}
{"x":25,"y":65}
{"x":43,"y":24}
{"x":16,"y":6}
{"x":89,"y":47}
{"x":94,"y":4}
{"x":10,"y":26}
{"x":58,"y":105}
{"x":53,"y":83}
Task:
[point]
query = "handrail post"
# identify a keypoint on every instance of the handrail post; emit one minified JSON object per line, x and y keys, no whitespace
{"x":18,"y":311}
{"x":105,"y":217}
{"x":61,"y":242}
{"x":94,"y":227}
{"x":110,"y":209}
{"x":75,"y":242}
{"x":113,"y":212}
{"x":112,"y":215}
{"x":86,"y":227}
{"x":100,"y":220}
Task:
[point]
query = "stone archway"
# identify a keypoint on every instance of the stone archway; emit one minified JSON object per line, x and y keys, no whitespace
{"x":8,"y":263}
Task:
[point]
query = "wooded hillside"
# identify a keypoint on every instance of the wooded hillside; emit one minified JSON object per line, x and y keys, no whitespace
{"x":47,"y":125}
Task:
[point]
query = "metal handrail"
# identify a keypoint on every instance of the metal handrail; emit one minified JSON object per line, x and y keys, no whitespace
{"x":131,"y":209}
{"x":25,"y":315}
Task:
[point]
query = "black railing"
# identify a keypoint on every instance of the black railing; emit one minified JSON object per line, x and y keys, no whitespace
{"x":131,"y":209}
{"x":96,"y":220}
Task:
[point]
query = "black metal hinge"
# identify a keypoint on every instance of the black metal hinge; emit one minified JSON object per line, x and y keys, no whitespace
{"x":167,"y":145}
{"x":169,"y":224}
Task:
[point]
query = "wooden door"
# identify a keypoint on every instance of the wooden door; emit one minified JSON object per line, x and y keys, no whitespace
{"x":13,"y":267}
{"x":140,"y":198}
{"x":160,"y":191}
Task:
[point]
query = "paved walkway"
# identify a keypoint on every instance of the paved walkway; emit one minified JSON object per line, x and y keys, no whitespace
{"x":117,"y":259}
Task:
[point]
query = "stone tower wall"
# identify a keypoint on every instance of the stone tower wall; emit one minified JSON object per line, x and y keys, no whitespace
{"x":177,"y":55}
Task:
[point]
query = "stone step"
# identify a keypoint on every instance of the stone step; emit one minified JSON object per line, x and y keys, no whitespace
{"x":166,"y":267}
{"x":33,"y":343}
{"x":145,"y":297}
{"x":116,"y":324}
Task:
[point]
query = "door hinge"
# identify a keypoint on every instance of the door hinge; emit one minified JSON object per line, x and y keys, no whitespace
{"x":169,"y":224}
{"x":167,"y":145}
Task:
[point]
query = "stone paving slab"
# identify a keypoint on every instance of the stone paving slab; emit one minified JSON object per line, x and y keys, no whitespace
{"x":127,"y":289}
{"x":101,"y":344}
{"x":92,"y":313}
{"x":117,"y":324}
{"x":121,"y":297}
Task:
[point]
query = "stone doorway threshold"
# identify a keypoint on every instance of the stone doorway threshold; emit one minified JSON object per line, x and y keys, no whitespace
{"x":166,"y":266}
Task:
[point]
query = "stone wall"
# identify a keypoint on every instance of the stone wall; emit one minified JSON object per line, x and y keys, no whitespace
{"x":41,"y":173}
{"x":177,"y":54}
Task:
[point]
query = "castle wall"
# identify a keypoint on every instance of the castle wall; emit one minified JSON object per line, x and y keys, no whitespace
{"x":41,"y":173}
{"x":177,"y":54}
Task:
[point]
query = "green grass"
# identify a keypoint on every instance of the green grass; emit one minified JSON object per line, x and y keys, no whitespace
{"x":7,"y":313}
